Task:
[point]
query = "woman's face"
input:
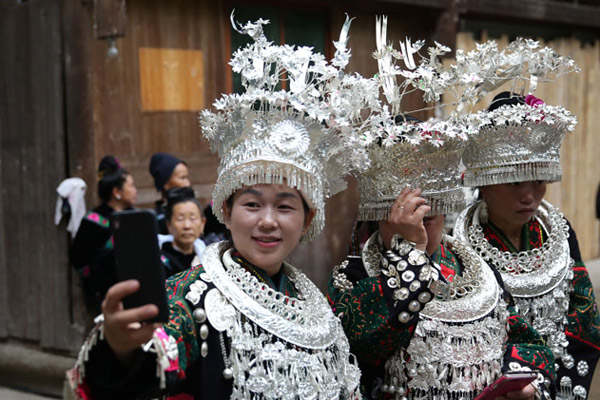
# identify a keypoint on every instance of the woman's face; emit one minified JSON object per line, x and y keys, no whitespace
{"x":179,"y":178}
{"x":186,"y":223}
{"x":513,"y":203}
{"x":127,"y":193}
{"x":266,"y":222}
{"x":434,"y":226}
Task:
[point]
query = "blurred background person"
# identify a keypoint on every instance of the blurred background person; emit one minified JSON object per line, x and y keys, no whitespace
{"x":185,"y":221}
{"x":168,"y":172}
{"x":92,"y":250}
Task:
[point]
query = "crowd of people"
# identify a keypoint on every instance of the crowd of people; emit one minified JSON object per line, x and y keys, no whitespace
{"x":180,"y":218}
{"x":413,"y":312}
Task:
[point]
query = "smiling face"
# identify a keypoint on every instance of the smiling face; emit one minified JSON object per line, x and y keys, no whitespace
{"x":513,"y":204}
{"x":186,"y":224}
{"x":266,"y":223}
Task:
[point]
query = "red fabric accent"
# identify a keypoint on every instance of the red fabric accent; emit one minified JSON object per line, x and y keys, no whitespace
{"x":448,"y":273}
{"x":582,"y":340}
{"x":181,"y":396}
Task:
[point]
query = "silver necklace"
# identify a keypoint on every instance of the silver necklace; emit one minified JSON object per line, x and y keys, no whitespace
{"x":281,"y":347}
{"x":538,"y":279}
{"x":451,"y":335}
{"x":527,"y":261}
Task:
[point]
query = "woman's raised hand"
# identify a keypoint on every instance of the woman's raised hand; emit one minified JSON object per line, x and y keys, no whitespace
{"x":406,"y":219}
{"x":123,"y":329}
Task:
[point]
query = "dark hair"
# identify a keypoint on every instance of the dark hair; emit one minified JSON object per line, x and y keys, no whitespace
{"x":400,"y":118}
{"x":110,"y":176}
{"x":505,"y":98}
{"x":180,"y":195}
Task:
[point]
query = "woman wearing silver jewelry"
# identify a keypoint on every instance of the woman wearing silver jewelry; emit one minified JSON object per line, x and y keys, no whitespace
{"x":427,"y":318}
{"x":245,"y":324}
{"x":527,"y":239}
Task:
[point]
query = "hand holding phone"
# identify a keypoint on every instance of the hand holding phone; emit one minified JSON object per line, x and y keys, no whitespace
{"x":509,"y":382}
{"x":122,"y":328}
{"x":137,"y":256}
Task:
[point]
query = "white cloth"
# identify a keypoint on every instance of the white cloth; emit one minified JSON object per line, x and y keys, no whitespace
{"x":72,"y":189}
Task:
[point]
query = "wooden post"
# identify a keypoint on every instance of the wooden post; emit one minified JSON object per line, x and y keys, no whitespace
{"x":110,"y":19}
{"x":445,"y":27}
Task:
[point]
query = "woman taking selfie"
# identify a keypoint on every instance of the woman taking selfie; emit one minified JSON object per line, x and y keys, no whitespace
{"x":245,"y":324}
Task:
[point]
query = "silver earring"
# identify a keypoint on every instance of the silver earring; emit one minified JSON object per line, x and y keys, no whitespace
{"x":483,"y":213}
{"x":118,"y":197}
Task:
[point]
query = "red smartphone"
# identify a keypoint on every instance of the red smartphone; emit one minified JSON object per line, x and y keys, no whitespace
{"x":509,"y":382}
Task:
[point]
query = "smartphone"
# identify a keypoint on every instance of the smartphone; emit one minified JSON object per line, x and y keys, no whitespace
{"x":508,"y":382}
{"x":137,"y":256}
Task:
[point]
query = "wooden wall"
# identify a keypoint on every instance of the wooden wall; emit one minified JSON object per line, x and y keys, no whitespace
{"x":575,"y":194}
{"x":111,"y":90}
{"x":35,"y":295}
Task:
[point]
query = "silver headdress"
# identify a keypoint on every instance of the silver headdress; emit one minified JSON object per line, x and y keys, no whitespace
{"x":305,"y":136}
{"x":411,"y":154}
{"x":517,"y":142}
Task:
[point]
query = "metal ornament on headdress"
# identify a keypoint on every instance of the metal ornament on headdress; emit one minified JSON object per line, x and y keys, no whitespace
{"x":423,"y":155}
{"x":304,"y":137}
{"x":514,"y":143}
{"x":517,"y":143}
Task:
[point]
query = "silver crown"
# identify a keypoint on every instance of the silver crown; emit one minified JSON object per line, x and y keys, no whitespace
{"x":432,"y":166}
{"x":305,"y":136}
{"x":423,"y":155}
{"x":516,"y":143}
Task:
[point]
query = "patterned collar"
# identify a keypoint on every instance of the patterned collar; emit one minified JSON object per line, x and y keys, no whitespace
{"x":532,"y":237}
{"x":449,"y":264}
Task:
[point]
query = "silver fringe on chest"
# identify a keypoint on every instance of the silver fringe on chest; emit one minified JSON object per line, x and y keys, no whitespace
{"x":458,"y":344}
{"x":539,"y":279}
{"x":281,"y":347}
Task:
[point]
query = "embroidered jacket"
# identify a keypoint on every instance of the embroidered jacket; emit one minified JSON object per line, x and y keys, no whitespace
{"x":217,"y":347}
{"x":92,"y":255}
{"x":387,"y":319}
{"x":576,"y":363}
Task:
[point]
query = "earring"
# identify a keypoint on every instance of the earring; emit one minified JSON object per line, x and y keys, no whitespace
{"x":483,"y":213}
{"x":118,"y":197}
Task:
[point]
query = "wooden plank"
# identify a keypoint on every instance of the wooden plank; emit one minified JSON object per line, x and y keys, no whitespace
{"x":33,"y":163}
{"x":16,"y":39}
{"x":110,"y":18}
{"x":548,"y":11}
{"x":47,"y":162}
{"x":446,"y":28}
{"x":438,"y":4}
{"x":171,"y":79}
{"x":570,"y":13}
{"x":4,"y":99}
{"x":78,"y":37}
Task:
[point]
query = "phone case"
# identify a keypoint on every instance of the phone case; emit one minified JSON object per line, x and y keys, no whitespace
{"x":137,"y":256}
{"x":507,"y":383}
